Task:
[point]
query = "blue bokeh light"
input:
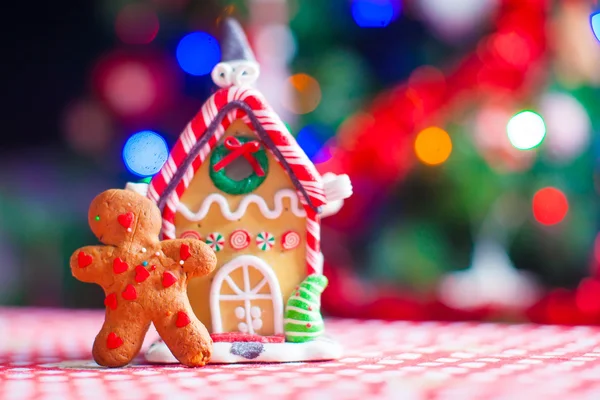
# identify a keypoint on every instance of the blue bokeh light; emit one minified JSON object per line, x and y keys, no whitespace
{"x":375,"y":13}
{"x":198,"y":53}
{"x":595,"y":22}
{"x":312,"y":139}
{"x":145,"y":153}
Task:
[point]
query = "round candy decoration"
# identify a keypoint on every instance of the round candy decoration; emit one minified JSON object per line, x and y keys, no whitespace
{"x":290,"y":240}
{"x":191,"y":235}
{"x":216,"y":241}
{"x":227,"y":155}
{"x":239,"y":239}
{"x":265,"y":241}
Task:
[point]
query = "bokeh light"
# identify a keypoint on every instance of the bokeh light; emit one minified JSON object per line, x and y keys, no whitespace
{"x":587,"y":295}
{"x":130,"y":88}
{"x":305,"y":94}
{"x":198,"y":53}
{"x":375,"y":13}
{"x":433,"y":145}
{"x":87,"y":128}
{"x":136,"y":24}
{"x":457,"y":19}
{"x":312,"y":138}
{"x":568,"y":124}
{"x":550,"y":206}
{"x":492,"y":141}
{"x":526,"y":130}
{"x":275,"y":42}
{"x":145,"y":153}
{"x":595,"y":22}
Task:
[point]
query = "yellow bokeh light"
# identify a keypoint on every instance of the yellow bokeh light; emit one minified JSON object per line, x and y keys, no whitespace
{"x":433,"y":145}
{"x":305,"y":94}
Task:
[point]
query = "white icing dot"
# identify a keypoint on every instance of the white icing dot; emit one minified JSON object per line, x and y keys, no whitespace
{"x":255,"y":312}
{"x":181,"y":262}
{"x":240,"y":312}
{"x":257,"y":324}
{"x":157,"y":254}
{"x":144,"y":250}
{"x":128,"y":229}
{"x":242,"y":327}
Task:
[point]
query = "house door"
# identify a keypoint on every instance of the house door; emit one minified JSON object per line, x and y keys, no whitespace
{"x":245,"y":297}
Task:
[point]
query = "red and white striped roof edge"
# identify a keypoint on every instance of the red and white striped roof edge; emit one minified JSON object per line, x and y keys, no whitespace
{"x":300,"y":166}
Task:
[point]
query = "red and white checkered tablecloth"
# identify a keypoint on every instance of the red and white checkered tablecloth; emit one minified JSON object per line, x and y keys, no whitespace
{"x":45,"y":354}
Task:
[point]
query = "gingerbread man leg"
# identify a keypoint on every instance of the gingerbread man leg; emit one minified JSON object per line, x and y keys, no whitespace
{"x":184,"y":334}
{"x":121,"y":336}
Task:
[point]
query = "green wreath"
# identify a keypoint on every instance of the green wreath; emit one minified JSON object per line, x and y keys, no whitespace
{"x":245,"y":185}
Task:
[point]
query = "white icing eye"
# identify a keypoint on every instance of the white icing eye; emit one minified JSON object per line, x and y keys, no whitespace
{"x":222,"y":75}
{"x":240,"y":312}
{"x":242,"y":327}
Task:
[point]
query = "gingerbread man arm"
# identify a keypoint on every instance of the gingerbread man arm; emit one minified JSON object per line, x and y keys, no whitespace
{"x":198,"y":258}
{"x":88,"y":264}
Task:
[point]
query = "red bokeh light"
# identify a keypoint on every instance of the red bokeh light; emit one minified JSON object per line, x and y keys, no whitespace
{"x":137,"y":86}
{"x":136,"y":24}
{"x":587,"y":297}
{"x":550,"y":206}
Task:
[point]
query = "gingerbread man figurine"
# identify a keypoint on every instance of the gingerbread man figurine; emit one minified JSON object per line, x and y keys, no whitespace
{"x":144,"y":279}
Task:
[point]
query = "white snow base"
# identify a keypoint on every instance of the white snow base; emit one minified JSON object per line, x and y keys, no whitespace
{"x":320,"y":349}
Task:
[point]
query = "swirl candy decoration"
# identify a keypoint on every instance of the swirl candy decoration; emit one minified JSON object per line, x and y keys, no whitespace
{"x":239,"y":239}
{"x":290,"y":240}
{"x":265,"y":241}
{"x":191,"y":235}
{"x":215,"y":241}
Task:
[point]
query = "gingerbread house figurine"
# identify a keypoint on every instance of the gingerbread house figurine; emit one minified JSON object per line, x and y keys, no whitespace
{"x":238,"y":180}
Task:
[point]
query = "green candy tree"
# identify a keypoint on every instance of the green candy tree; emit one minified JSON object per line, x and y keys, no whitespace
{"x":303,"y":320}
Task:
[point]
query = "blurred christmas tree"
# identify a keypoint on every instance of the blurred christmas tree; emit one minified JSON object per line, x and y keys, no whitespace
{"x":419,"y":102}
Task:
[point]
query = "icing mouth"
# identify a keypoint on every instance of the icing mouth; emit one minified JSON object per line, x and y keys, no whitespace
{"x":295,"y":206}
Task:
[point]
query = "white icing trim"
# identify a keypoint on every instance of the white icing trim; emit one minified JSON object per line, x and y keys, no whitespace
{"x":320,"y":349}
{"x":299,"y":322}
{"x":247,"y":295}
{"x":309,"y":334}
{"x":308,"y":292}
{"x":314,"y":313}
{"x":140,"y":188}
{"x":303,"y":300}
{"x":233,"y":297}
{"x":331,"y":208}
{"x":337,"y":187}
{"x":260,"y":285}
{"x":219,"y":199}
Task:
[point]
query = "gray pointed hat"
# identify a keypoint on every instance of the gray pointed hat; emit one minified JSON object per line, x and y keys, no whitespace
{"x":234,"y":43}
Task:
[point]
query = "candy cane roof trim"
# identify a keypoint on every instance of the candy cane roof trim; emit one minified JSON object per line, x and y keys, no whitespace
{"x":204,"y":132}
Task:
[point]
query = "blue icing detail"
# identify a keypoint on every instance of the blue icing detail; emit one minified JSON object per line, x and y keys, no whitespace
{"x":248,"y":350}
{"x":145,"y":263}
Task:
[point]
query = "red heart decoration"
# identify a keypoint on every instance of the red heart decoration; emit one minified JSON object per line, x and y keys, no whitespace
{"x":125,"y":220}
{"x":111,"y":301}
{"x":141,"y":274}
{"x":113,"y":341}
{"x":182,"y":319}
{"x":83,"y":260}
{"x":168,"y":279}
{"x":119,"y":266}
{"x":129,"y":293}
{"x":184,"y":252}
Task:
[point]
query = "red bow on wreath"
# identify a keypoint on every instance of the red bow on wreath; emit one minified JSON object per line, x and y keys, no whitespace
{"x":238,"y":149}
